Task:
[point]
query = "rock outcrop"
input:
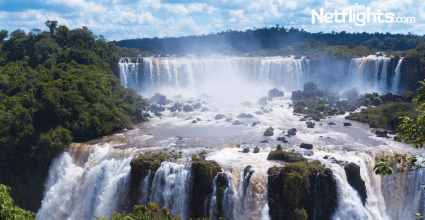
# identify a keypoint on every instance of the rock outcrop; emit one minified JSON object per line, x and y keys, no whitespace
{"x":352,"y":171}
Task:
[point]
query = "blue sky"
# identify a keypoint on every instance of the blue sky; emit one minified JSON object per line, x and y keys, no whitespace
{"x":127,"y":19}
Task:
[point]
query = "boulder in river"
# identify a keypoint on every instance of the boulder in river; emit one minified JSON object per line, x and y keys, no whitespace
{"x":347,"y":124}
{"x":273,"y":93}
{"x":306,"y":146}
{"x":292,"y":132}
{"x":237,"y":122}
{"x":269,"y":132}
{"x":244,"y":115}
{"x":262,"y":101}
{"x":382,"y":134}
{"x":197,"y":106}
{"x":219,"y":116}
{"x":187,"y":108}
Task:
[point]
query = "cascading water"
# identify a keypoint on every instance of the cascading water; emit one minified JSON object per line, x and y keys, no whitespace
{"x":86,"y":181}
{"x":397,"y":77}
{"x":369,"y":74}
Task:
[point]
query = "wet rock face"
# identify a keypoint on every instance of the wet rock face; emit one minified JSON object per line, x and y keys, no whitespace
{"x":306,"y":146}
{"x":285,"y":156}
{"x":140,"y":167}
{"x":221,"y":184}
{"x":203,"y":173}
{"x":301,"y":191}
{"x":352,"y":171}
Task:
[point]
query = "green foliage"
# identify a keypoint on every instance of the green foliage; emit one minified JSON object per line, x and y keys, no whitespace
{"x":56,"y":88}
{"x":286,"y":156}
{"x":387,"y":116}
{"x":8,"y":211}
{"x":140,"y":212}
{"x":351,"y":95}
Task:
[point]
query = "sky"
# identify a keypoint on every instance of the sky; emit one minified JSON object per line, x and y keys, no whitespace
{"x":129,"y":19}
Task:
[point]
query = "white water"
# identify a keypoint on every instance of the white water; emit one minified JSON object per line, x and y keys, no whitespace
{"x":369,"y":74}
{"x":94,"y":180}
{"x":397,"y":77}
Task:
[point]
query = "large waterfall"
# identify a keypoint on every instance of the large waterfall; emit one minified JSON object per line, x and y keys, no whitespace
{"x":367,"y":74}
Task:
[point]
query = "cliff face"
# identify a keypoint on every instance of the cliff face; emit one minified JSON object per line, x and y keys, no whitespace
{"x":411,"y":72}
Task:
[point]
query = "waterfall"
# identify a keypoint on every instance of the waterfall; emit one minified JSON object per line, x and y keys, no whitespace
{"x":397,"y":76}
{"x":203,"y":75}
{"x":170,"y":188}
{"x":369,"y":74}
{"x":86,"y":181}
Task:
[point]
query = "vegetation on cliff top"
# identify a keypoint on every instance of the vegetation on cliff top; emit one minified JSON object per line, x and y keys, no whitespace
{"x":56,"y":87}
{"x":8,"y":210}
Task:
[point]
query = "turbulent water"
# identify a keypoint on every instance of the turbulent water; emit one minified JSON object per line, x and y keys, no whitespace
{"x":89,"y":180}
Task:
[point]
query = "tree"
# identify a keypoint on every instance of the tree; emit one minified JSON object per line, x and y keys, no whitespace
{"x":7,"y":208}
{"x":3,"y":35}
{"x":18,"y":33}
{"x":52,"y":26}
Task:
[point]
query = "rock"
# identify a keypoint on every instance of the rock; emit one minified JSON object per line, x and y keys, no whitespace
{"x":306,"y":146}
{"x":352,"y":171}
{"x":203,"y":173}
{"x":382,"y":134}
{"x":146,"y":115}
{"x":283,"y":139}
{"x":279,"y":147}
{"x":247,"y":103}
{"x":285,"y":156}
{"x":187,"y":108}
{"x":187,"y":119}
{"x":228,"y":119}
{"x":315,"y":118}
{"x":313,"y":191}
{"x":266,"y":111}
{"x":303,"y":119}
{"x":158,"y":114}
{"x":264,"y":141}
{"x":219,"y":116}
{"x":269,"y":132}
{"x":194,"y":121}
{"x":245,"y":150}
{"x":159,"y":99}
{"x":197,"y":106}
{"x":273,"y":93}
{"x":205,"y":110}
{"x":243,"y":115}
{"x":238,"y":123}
{"x":254,"y":124}
{"x":156,"y":108}
{"x":256,"y":150}
{"x":259,"y":112}
{"x":247,"y":170}
{"x":198,"y":119}
{"x":140,"y":167}
{"x":204,"y":102}
{"x":297,"y":95}
{"x":347,"y":124}
{"x":247,"y":173}
{"x":271,"y":109}
{"x":331,"y":123}
{"x":292,"y":132}
{"x":262,"y":101}
{"x":310,"y":125}
{"x":373,"y":125}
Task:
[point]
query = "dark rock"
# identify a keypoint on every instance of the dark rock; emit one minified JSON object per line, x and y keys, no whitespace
{"x":279,"y":147}
{"x":243,"y":115}
{"x":198,"y":119}
{"x":266,"y":111}
{"x":347,"y":124}
{"x":187,"y":119}
{"x":254,"y":124}
{"x":158,"y":114}
{"x":352,"y":171}
{"x":197,"y":106}
{"x":303,"y":119}
{"x":256,"y":150}
{"x":238,"y":123}
{"x":187,"y":108}
{"x":140,"y":167}
{"x":219,"y":116}
{"x":262,"y":101}
{"x":264,"y":141}
{"x":285,"y":156}
{"x":373,"y":125}
{"x":245,"y":150}
{"x":156,"y":108}
{"x":315,"y":118}
{"x":221,"y":185}
{"x":331,"y":123}
{"x":268,"y":132}
{"x":283,"y":139}
{"x":310,"y":125}
{"x":306,"y":146}
{"x":313,"y":193}
{"x":194,"y":121}
{"x":292,"y":132}
{"x":146,"y":115}
{"x":204,"y":110}
{"x":228,"y":119}
{"x":382,"y":134}
{"x":203,"y":173}
{"x":159,"y":99}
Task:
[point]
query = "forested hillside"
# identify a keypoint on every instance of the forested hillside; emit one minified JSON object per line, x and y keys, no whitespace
{"x":56,"y":87}
{"x":272,"y":38}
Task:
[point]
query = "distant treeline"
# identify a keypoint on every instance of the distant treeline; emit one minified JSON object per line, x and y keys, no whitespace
{"x":272,"y":39}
